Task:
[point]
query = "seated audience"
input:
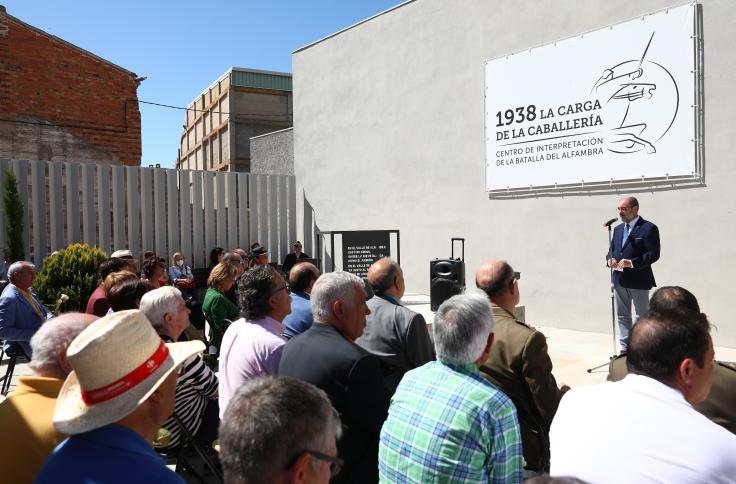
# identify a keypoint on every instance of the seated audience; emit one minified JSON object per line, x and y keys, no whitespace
{"x":127,"y":256}
{"x":326,"y":356}
{"x":252,"y":345}
{"x":181,"y":275}
{"x":258,"y":257}
{"x":301,"y":281}
{"x":519,"y":363}
{"x":216,"y":255}
{"x":154,"y":272}
{"x":216,"y":306}
{"x":236,"y":260}
{"x":393,"y":332}
{"x":293,"y":257}
{"x":21,"y":311}
{"x":98,"y":303}
{"x":719,"y":405}
{"x":196,"y":385}
{"x":26,"y":414}
{"x":243,"y":255}
{"x":647,"y":420}
{"x":113,"y":403}
{"x":125,"y":292}
{"x":446,"y":422}
{"x":295,"y":427}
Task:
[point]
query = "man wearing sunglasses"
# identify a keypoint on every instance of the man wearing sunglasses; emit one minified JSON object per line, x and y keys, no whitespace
{"x":519,"y":363}
{"x":295,"y":426}
{"x":292,"y":258}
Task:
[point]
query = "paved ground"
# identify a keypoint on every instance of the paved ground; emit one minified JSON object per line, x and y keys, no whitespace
{"x":572,"y":352}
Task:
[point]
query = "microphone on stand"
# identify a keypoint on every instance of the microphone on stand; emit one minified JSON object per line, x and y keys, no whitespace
{"x":608,"y":224}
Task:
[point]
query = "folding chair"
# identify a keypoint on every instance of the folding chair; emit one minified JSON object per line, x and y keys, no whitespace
{"x":183,"y":464}
{"x":14,"y":352}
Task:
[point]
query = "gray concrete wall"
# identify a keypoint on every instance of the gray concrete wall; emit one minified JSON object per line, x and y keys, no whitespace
{"x":273,"y":153}
{"x":389,"y":133}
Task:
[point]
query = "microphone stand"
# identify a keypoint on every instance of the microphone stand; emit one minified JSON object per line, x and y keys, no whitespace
{"x":613,"y":310}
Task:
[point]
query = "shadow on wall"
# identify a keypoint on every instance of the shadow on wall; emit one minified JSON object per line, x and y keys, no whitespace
{"x":583,"y":191}
{"x":314,"y":243}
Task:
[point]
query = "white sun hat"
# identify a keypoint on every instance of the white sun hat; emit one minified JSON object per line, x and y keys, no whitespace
{"x":118,"y":361}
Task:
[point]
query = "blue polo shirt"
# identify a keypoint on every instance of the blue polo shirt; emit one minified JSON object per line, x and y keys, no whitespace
{"x":110,"y":454}
{"x":301,"y":318}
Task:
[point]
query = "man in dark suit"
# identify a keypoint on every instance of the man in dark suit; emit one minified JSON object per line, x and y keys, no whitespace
{"x":634,"y":248}
{"x":21,"y":311}
{"x":394,"y":332}
{"x":718,"y":406}
{"x":326,"y":355}
{"x":293,"y":257}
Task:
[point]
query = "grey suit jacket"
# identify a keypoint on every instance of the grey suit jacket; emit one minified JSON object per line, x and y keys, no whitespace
{"x":397,"y":335}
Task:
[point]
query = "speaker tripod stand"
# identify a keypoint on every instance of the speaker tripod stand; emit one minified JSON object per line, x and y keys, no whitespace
{"x":613,"y":306}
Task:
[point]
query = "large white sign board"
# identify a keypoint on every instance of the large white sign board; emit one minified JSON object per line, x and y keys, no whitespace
{"x":613,"y":104}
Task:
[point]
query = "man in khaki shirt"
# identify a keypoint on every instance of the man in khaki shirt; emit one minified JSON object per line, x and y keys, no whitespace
{"x":519,"y":363}
{"x":26,"y":415}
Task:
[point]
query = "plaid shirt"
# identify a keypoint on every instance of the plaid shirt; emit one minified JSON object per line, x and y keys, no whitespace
{"x":447,"y":423}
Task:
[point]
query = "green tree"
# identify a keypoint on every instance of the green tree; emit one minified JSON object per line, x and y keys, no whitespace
{"x":13,"y":207}
{"x":73,"y":271}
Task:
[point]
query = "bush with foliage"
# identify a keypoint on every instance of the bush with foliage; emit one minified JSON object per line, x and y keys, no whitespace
{"x":73,"y":271}
{"x":13,"y":208}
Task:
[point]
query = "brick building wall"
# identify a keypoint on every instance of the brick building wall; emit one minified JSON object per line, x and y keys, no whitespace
{"x":61,"y":103}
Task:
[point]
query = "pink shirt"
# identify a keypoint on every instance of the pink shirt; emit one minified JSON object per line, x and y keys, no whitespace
{"x":249,"y":349}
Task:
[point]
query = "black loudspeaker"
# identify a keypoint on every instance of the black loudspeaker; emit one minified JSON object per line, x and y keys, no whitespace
{"x":446,"y":278}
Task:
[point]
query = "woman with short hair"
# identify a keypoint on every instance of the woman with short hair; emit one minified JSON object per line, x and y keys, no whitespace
{"x":217,"y":307}
{"x":181,"y":275}
{"x":154,"y":272}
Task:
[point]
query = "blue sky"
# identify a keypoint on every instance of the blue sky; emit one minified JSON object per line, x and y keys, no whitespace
{"x":183,"y":46}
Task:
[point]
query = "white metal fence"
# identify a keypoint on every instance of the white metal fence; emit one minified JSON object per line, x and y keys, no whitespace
{"x":138,"y":208}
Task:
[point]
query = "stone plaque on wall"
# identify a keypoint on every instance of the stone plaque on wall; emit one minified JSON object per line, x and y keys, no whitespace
{"x":361,"y":249}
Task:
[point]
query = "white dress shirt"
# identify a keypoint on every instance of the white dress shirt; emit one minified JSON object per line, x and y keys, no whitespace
{"x":638,"y":430}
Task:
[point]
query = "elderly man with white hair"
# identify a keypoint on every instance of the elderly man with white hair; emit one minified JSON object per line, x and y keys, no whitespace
{"x":196,"y":386}
{"x":26,"y":415}
{"x":446,"y":422}
{"x":326,"y":356}
{"x":21,"y":311}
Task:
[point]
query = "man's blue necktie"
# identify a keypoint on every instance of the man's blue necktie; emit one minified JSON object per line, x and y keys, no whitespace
{"x":626,"y":234}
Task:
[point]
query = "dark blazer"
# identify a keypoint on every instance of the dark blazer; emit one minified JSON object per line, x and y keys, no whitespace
{"x":642,"y":248}
{"x":18,"y":320}
{"x":719,"y":406}
{"x":353,"y":380}
{"x":397,"y":335}
{"x":290,"y":261}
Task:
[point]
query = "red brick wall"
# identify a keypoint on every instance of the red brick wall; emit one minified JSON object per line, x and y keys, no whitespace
{"x":44,"y":79}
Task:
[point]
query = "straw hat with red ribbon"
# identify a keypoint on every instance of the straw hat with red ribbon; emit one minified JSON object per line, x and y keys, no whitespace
{"x":118,"y":362}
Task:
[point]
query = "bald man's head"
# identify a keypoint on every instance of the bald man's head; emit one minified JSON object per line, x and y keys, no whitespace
{"x":496,"y":279}
{"x":302,"y":277}
{"x":673,"y":299}
{"x":385,"y":276}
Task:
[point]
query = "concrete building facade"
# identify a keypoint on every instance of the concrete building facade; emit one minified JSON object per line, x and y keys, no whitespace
{"x":389,"y":133}
{"x":219,"y":123}
{"x":273,"y":153}
{"x":59,"y":102}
